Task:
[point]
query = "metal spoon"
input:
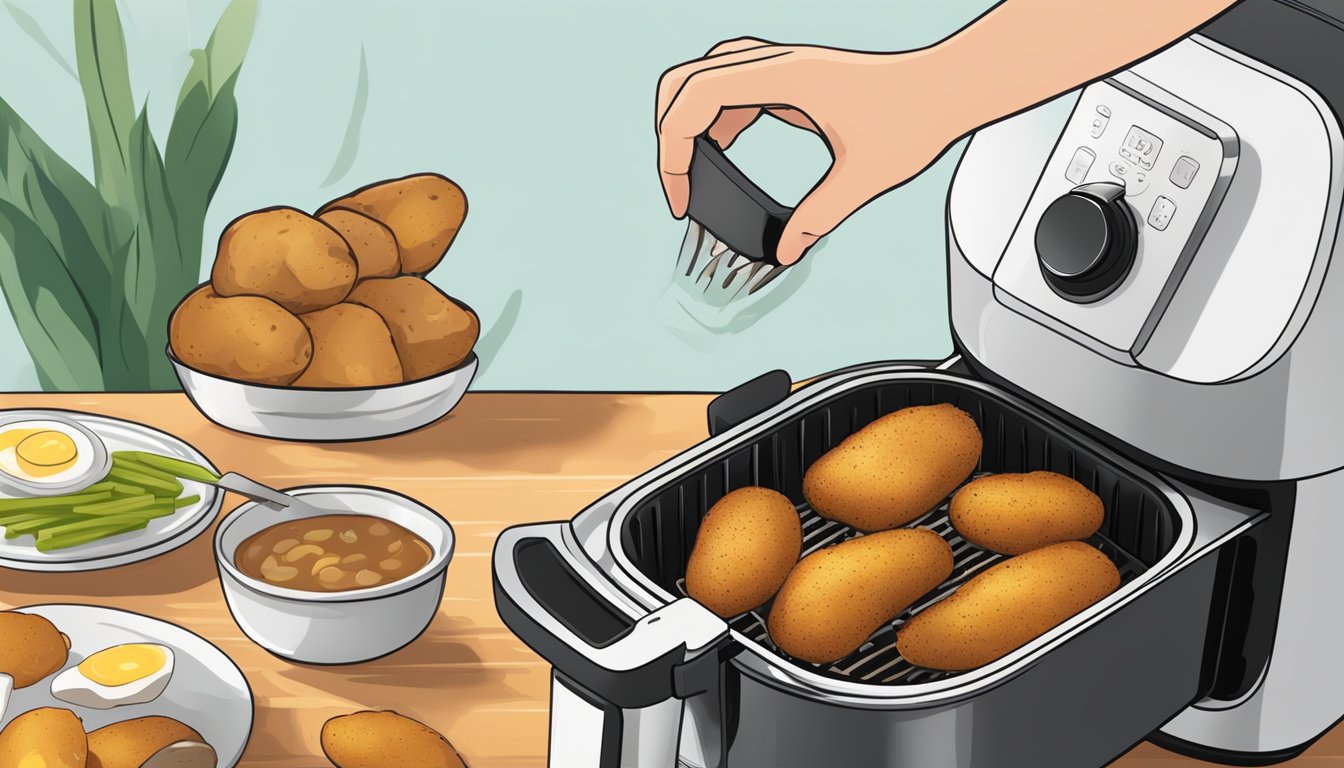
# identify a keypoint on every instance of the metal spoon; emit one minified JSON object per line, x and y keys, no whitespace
{"x":267,"y":496}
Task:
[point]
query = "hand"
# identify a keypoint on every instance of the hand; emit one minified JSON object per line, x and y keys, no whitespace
{"x":883,"y":117}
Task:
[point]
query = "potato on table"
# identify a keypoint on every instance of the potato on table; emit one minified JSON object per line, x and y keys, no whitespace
{"x":896,"y":468}
{"x":373,"y":246}
{"x":835,"y":598}
{"x":286,"y":256}
{"x":30,"y":647}
{"x":352,"y":347}
{"x":45,"y":738}
{"x":1008,"y":606}
{"x":385,"y":740}
{"x":129,"y":743}
{"x":747,"y":544}
{"x":1016,"y":513}
{"x":432,"y":332}
{"x":423,"y":211}
{"x":247,"y":338}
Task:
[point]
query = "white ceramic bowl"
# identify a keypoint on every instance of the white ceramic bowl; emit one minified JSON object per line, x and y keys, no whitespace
{"x":335,"y":627}
{"x":323,"y":415}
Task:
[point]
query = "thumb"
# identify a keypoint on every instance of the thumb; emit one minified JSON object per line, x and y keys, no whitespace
{"x":830,"y":202}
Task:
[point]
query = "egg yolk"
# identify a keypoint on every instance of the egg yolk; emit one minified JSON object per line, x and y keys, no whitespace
{"x":46,"y":453}
{"x":122,"y":664}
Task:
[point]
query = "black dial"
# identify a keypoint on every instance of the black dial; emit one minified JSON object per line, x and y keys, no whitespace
{"x":1086,"y":241}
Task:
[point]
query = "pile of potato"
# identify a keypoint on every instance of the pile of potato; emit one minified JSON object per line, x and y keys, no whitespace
{"x":332,"y":300}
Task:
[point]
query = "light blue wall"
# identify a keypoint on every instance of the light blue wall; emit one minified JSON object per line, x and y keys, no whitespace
{"x":542,"y":111}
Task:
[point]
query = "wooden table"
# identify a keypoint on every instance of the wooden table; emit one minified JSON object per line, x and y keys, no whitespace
{"x":497,"y":460}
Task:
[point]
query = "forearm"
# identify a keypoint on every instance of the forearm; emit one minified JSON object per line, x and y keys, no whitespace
{"x":1024,"y":52}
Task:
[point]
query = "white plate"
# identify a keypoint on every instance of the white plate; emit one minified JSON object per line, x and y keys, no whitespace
{"x":161,"y":535}
{"x":206,"y":691}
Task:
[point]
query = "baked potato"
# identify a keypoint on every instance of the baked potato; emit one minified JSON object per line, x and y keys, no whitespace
{"x":30,"y":647}
{"x":423,"y":211}
{"x":247,"y":338}
{"x":1016,"y":513}
{"x":286,"y":256}
{"x":747,"y":544}
{"x":432,"y":332}
{"x":44,"y":738}
{"x":130,"y":743}
{"x":373,"y":246}
{"x":385,"y":740}
{"x":352,"y":347}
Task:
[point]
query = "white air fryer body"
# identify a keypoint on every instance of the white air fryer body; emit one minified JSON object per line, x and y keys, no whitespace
{"x":1220,"y":352}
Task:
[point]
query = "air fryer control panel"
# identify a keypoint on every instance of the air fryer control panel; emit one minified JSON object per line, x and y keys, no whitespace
{"x":1120,"y":209}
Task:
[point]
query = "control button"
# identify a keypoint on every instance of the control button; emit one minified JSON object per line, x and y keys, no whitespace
{"x":1136,"y":183}
{"x":1120,"y":170}
{"x":1080,"y":165}
{"x":1160,"y":216}
{"x":1086,"y":241}
{"x":1103,"y":110}
{"x":1183,"y":172}
{"x":1143,"y":145}
{"x":1099,"y":122}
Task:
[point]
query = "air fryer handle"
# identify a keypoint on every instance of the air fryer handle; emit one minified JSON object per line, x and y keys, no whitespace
{"x":747,"y":399}
{"x":608,"y":658}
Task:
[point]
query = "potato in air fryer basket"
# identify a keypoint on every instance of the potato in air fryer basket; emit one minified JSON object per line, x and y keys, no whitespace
{"x":287,"y":256}
{"x":896,"y":468}
{"x":1008,"y":606}
{"x":432,"y":332}
{"x":351,"y":348}
{"x":423,"y":211}
{"x":247,"y":338}
{"x":835,"y":598}
{"x":747,"y":544}
{"x":1015,"y":513}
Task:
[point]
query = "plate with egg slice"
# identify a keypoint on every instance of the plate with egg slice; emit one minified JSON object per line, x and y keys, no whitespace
{"x":116,"y":688}
{"x":80,"y":491}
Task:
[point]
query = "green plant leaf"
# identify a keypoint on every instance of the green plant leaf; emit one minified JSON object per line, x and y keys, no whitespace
{"x":104,"y":76}
{"x":55,"y":321}
{"x":345,"y":156}
{"x":158,"y":274}
{"x":229,"y":43}
{"x":34,"y":31}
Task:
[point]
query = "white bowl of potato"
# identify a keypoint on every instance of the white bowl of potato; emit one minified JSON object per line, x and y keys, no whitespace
{"x":322,"y":327}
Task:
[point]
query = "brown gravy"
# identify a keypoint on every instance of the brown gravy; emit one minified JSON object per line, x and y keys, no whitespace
{"x":332,"y":553}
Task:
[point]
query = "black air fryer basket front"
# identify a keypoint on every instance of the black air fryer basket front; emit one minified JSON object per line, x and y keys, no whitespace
{"x":1140,"y":526}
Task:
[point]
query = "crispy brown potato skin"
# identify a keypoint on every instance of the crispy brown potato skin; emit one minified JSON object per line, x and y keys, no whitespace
{"x":352,"y":347}
{"x":1016,"y":513}
{"x":835,"y":598}
{"x":747,"y":544}
{"x":432,"y":332}
{"x":55,"y":735}
{"x":30,"y":647}
{"x":286,"y":256}
{"x":246,"y":338}
{"x":129,"y":743}
{"x":385,"y":740}
{"x":896,"y":468}
{"x":1007,"y":606}
{"x":423,"y":211}
{"x":373,"y":246}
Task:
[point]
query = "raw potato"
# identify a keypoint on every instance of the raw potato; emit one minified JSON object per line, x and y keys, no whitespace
{"x":837,"y":597}
{"x":896,"y":468}
{"x":423,"y":211}
{"x":30,"y":647}
{"x":385,"y":740}
{"x":1016,"y":513}
{"x":374,"y":247}
{"x":44,"y":738}
{"x":247,"y":338}
{"x":746,"y":546}
{"x":1007,"y":606}
{"x":129,"y":743}
{"x":287,"y":256}
{"x":351,"y":348}
{"x":432,"y":332}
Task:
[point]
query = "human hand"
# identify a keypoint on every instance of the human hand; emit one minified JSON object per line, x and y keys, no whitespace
{"x":882,"y":117}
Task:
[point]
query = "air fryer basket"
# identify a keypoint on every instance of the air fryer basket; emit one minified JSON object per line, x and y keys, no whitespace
{"x":1139,"y":529}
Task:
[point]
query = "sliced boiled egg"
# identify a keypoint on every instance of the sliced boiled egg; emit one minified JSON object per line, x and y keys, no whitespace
{"x":123,"y":674}
{"x":46,"y":456}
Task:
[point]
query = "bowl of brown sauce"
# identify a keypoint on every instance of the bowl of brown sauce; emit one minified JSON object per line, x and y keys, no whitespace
{"x":358,"y":579}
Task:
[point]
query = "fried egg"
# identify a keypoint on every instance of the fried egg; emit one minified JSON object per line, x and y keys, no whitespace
{"x":123,"y":674}
{"x":44,"y":452}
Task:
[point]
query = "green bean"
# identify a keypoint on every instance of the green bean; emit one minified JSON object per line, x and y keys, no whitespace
{"x":116,"y":506}
{"x":186,"y":501}
{"x":86,"y":536}
{"x":130,"y":460}
{"x":19,"y":517}
{"x":52,"y":502}
{"x":150,"y":483}
{"x":177,"y":467}
{"x":35,"y":525}
{"x":92,"y":524}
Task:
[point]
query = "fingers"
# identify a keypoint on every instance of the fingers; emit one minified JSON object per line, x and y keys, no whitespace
{"x":835,"y":197}
{"x":730,"y":82}
{"x":731,"y":123}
